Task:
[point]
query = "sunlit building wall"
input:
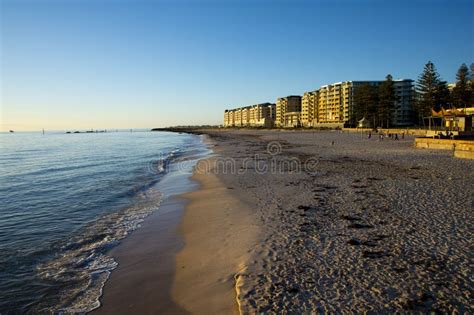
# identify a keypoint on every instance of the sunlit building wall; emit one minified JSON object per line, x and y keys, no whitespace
{"x":285,"y":105}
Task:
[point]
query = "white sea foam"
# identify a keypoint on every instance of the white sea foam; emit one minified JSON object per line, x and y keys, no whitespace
{"x":82,"y":267}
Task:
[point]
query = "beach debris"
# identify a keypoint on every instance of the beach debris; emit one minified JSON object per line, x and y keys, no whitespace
{"x":369,"y":243}
{"x":373,"y":254}
{"x":293,"y":290}
{"x":350,"y":218}
{"x":422,"y":301}
{"x":379,"y":237}
{"x":360,"y":226}
{"x":354,"y":242}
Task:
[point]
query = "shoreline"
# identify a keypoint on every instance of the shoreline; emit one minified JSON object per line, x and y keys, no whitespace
{"x":146,"y":254}
{"x":143,"y":278}
{"x":354,"y":232}
{"x":171,"y":265}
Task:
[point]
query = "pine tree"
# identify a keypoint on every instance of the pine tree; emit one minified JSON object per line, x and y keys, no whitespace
{"x":471,"y":85}
{"x":387,"y":101}
{"x":442,"y":96}
{"x":472,"y":75}
{"x":430,"y":91}
{"x":462,"y":90}
{"x":365,"y":103}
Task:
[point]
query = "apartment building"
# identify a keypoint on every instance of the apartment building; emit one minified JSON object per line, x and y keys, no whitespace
{"x":309,"y":109}
{"x":245,"y":116}
{"x":292,"y":119}
{"x":331,"y":105}
{"x":229,"y":118}
{"x":285,"y":105}
{"x":336,"y":102}
{"x":259,"y":115}
{"x":262,"y":115}
{"x":238,"y":117}
{"x":404,"y":114}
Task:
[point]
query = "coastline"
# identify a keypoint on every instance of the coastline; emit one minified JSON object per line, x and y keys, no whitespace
{"x":172,"y":264}
{"x":146,"y":258}
{"x":355,"y":231}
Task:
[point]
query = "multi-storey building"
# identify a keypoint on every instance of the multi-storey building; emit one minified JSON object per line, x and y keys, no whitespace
{"x":262,"y":115}
{"x":229,"y":118}
{"x":330,"y":106}
{"x":259,"y":115}
{"x":336,"y":102}
{"x":292,"y":119}
{"x":404,"y":114}
{"x":309,"y":108}
{"x":238,"y":117}
{"x":245,"y":116}
{"x":285,"y":105}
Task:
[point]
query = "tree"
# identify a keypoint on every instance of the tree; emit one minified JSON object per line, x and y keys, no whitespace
{"x":431,"y":91}
{"x":462,"y":91}
{"x":471,"y":78}
{"x":365,"y":103}
{"x":471,"y":83}
{"x":387,"y":101}
{"x":442,"y":95}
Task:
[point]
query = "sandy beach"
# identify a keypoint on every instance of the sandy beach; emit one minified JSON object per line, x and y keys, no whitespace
{"x":310,"y":221}
{"x":219,"y":231}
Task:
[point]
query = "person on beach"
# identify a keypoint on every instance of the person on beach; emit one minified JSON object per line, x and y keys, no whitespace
{"x":396,"y":136}
{"x":370,"y":135}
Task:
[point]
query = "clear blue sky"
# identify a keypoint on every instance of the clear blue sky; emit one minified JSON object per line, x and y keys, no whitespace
{"x":130,"y":64}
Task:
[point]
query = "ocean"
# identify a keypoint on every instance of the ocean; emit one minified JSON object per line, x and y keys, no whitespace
{"x":66,"y":199}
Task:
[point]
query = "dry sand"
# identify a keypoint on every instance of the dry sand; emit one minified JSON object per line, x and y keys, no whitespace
{"x":219,"y":230}
{"x":370,"y":226}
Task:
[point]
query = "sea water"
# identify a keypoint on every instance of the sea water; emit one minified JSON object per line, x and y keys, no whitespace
{"x":66,"y":199}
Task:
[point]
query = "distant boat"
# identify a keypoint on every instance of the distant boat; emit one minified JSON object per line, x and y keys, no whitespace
{"x":11,"y":131}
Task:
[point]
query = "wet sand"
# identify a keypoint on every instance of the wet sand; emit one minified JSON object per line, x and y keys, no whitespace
{"x":360,"y":225}
{"x":141,"y":283}
{"x":157,"y":275}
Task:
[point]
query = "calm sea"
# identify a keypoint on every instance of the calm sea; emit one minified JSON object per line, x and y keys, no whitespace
{"x":66,"y":199}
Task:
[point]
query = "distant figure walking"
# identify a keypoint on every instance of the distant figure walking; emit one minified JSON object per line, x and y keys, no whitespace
{"x":403,"y":135}
{"x":396,"y":136}
{"x":370,"y":135}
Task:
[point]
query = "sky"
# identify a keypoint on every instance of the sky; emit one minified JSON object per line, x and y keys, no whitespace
{"x":82,"y":64}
